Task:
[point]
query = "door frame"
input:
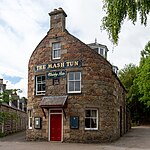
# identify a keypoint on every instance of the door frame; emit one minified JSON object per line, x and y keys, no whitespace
{"x":49,"y":119}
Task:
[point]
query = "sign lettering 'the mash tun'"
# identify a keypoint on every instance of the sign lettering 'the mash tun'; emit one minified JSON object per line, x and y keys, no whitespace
{"x":58,"y":65}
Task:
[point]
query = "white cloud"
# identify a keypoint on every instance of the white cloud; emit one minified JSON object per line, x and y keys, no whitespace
{"x":23,"y":24}
{"x":22,"y":85}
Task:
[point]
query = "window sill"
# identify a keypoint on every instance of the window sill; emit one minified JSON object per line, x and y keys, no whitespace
{"x":88,"y":129}
{"x":39,"y":94}
{"x":56,"y":58}
{"x":74,"y":92}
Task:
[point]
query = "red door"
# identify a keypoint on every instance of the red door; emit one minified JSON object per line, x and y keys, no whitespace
{"x":55,"y":127}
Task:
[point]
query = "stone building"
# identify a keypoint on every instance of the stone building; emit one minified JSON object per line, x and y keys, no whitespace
{"x":13,"y":116}
{"x":73,"y":93}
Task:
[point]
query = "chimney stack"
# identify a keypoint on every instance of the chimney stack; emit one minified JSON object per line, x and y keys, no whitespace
{"x":1,"y":81}
{"x":57,"y":19}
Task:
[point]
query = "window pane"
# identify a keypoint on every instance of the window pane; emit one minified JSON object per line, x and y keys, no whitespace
{"x":58,"y":53}
{"x":77,"y":86}
{"x":55,"y":54}
{"x":87,"y":113}
{"x":71,"y":86}
{"x":71,"y":76}
{"x":30,"y":122}
{"x":39,"y":79}
{"x":94,"y":114}
{"x":43,"y":78}
{"x":77,"y":75}
{"x":93,"y":123}
{"x":56,"y":45}
{"x":43,"y":87}
{"x":96,"y":49}
{"x":87,"y":122}
{"x":39,"y":87}
{"x":101,"y":51}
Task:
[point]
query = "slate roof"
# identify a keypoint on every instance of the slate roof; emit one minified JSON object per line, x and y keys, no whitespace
{"x":53,"y":101}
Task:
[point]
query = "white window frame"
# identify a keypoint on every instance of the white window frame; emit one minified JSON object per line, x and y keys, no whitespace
{"x":90,"y":109}
{"x":74,"y":82}
{"x":30,"y":119}
{"x":37,"y":83}
{"x":56,"y":49}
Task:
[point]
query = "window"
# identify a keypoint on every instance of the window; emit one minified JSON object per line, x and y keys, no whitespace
{"x":40,"y":85}
{"x":56,"y":47}
{"x":30,"y":119}
{"x":74,"y":82}
{"x":96,"y":49}
{"x":91,"y":119}
{"x":101,"y":51}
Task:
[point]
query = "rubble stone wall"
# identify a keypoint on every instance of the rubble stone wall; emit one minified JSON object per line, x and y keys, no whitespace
{"x":16,"y":121}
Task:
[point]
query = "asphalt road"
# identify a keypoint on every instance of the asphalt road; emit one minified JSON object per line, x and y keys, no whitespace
{"x":138,"y":138}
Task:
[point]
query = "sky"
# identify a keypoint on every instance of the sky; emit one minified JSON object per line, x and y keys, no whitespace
{"x":24,"y":23}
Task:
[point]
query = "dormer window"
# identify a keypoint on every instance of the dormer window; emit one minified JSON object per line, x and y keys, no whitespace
{"x":56,"y":50}
{"x":99,"y":48}
{"x":101,"y":51}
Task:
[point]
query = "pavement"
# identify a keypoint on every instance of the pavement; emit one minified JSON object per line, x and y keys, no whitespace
{"x":138,"y":138}
{"x":16,"y":137}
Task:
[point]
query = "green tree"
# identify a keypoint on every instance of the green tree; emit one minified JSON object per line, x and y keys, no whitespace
{"x":136,"y":81}
{"x":128,"y":76}
{"x":4,"y":115}
{"x":4,"y":97}
{"x":118,"y":10}
{"x":144,"y":76}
